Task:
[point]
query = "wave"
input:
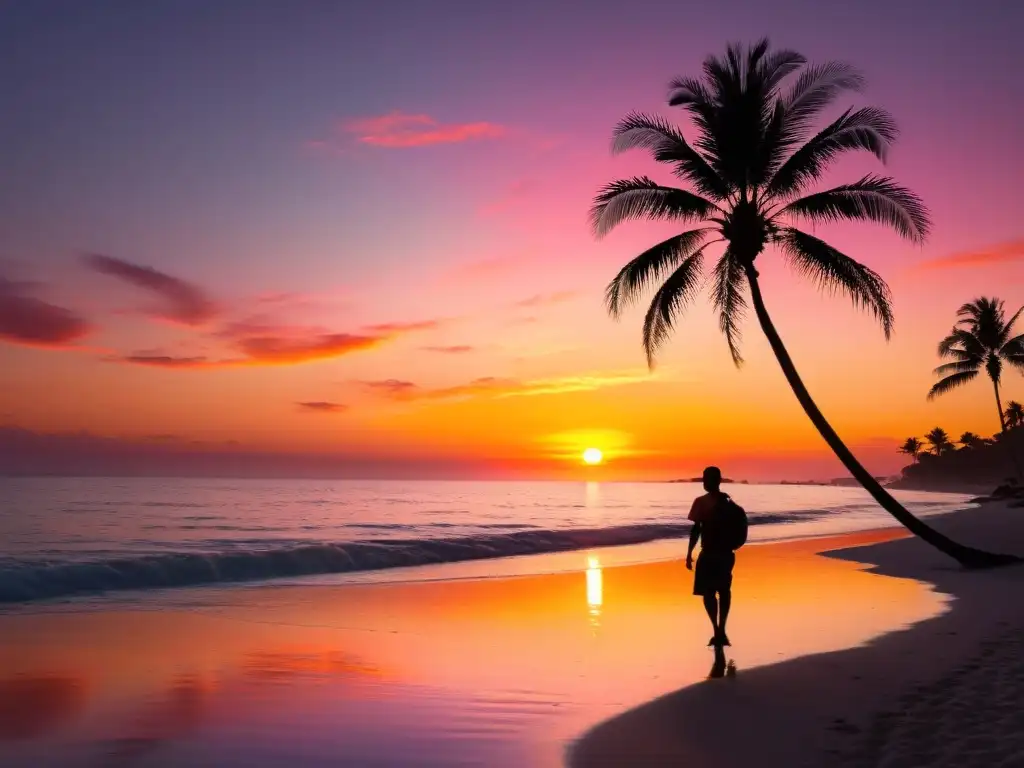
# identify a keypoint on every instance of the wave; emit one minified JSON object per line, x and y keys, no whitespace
{"x":28,"y":581}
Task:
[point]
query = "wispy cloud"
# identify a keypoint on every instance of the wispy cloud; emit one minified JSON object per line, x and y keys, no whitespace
{"x":547,"y":299}
{"x":180,"y":301}
{"x":1002,"y":253}
{"x":491,"y":386}
{"x":30,"y":321}
{"x":262,"y":343}
{"x":398,"y":130}
{"x":453,"y":349}
{"x":418,"y":325}
{"x":322,"y":406}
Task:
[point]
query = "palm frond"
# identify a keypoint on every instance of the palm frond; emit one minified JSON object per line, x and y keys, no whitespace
{"x":651,"y":132}
{"x":816,"y":88}
{"x":957,"y":367}
{"x":835,"y":271}
{"x":869,"y":129}
{"x":641,"y":197}
{"x":678,"y":290}
{"x":778,"y":65}
{"x":963,"y":344}
{"x":873,"y":198}
{"x":1016,"y":360}
{"x":1014,"y":346}
{"x":813,"y":90}
{"x":728,"y":298}
{"x":647,"y":268}
{"x":950,"y":382}
{"x":1008,"y":326}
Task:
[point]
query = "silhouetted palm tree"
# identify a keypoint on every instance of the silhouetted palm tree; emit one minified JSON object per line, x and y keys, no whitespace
{"x":971,"y":440}
{"x":912,"y":447}
{"x":750,"y":167}
{"x":1014,"y":414}
{"x":981,"y":338}
{"x":939,"y":441}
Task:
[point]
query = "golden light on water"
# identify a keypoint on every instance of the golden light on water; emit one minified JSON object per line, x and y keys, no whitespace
{"x":592,"y":456}
{"x":595,"y":597}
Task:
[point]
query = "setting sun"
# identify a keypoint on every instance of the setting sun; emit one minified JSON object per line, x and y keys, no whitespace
{"x":592,"y":456}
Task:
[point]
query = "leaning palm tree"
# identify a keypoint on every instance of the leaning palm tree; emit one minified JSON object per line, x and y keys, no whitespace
{"x":981,"y":338}
{"x":939,"y":441}
{"x":912,"y":448}
{"x":1014,"y":414}
{"x":750,"y":166}
{"x":971,"y":440}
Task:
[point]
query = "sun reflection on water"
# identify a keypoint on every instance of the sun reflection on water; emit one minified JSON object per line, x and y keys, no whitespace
{"x":595,"y":597}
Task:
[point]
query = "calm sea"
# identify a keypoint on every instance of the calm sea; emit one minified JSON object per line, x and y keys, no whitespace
{"x":61,"y":537}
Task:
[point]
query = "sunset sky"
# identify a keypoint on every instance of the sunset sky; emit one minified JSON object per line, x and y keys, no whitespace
{"x":352,"y":239}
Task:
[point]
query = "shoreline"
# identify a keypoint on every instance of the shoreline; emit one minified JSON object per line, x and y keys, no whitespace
{"x":881,"y":703}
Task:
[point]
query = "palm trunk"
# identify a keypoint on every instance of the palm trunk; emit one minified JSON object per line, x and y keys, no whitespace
{"x":1002,"y":426}
{"x":966,"y":556}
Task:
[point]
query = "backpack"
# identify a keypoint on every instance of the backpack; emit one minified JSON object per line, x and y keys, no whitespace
{"x":735,"y":522}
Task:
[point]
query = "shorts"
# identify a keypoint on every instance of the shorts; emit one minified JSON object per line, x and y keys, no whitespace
{"x":713,"y":572}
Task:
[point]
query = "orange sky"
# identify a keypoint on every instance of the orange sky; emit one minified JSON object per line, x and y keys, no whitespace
{"x":404,"y":283}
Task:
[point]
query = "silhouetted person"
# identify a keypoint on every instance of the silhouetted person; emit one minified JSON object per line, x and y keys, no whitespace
{"x":712,"y":578}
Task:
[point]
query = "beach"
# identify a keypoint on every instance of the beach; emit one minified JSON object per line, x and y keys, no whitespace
{"x":850,"y":657}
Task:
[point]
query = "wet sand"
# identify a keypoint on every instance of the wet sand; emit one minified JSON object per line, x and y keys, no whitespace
{"x":497,"y":672}
{"x":947,"y":692}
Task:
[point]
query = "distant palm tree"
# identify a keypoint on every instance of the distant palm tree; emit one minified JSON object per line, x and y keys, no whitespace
{"x":939,"y":441}
{"x":971,"y":440}
{"x":981,"y":338}
{"x":912,"y":447}
{"x":1014,"y":414}
{"x":751,"y":165}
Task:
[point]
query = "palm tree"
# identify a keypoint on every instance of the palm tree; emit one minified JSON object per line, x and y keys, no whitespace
{"x":912,"y":447}
{"x":939,"y":441}
{"x":981,"y":338}
{"x":971,"y":440}
{"x":1014,"y":414}
{"x":750,"y":167}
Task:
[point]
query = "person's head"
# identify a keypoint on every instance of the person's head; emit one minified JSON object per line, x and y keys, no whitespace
{"x":712,"y":479}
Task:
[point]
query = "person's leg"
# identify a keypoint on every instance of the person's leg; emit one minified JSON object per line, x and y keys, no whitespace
{"x":724,"y":602}
{"x":711,"y":606}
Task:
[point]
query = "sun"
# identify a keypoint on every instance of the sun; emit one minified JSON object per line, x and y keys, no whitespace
{"x":592,"y":456}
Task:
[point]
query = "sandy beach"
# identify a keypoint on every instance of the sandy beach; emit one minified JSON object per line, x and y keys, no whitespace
{"x":849,"y":658}
{"x":947,"y":691}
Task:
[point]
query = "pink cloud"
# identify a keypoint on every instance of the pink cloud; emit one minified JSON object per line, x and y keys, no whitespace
{"x":547,"y":299}
{"x":454,"y":349}
{"x":398,"y":130}
{"x":419,"y":325}
{"x":283,"y":350}
{"x":493,"y":386}
{"x":322,"y":406}
{"x":182,"y":302}
{"x":262,"y":343}
{"x":1002,"y":253}
{"x":27,"y":320}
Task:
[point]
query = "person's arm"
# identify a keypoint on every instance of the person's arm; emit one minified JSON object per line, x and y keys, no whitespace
{"x":695,"y":531}
{"x":694,"y":537}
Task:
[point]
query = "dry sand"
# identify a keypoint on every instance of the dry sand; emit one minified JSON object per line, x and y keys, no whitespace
{"x":949,"y":691}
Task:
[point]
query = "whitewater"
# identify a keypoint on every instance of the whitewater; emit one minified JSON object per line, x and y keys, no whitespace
{"x":66,"y":537}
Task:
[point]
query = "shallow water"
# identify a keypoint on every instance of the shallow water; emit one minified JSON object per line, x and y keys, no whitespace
{"x":66,"y":536}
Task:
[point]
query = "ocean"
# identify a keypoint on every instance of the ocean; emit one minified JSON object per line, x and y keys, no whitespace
{"x":67,"y":537}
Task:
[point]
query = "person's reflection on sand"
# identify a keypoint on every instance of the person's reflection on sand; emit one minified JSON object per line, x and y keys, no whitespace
{"x":718,"y":667}
{"x":721,"y":668}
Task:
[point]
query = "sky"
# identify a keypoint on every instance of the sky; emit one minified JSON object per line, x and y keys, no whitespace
{"x":351,"y":239}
